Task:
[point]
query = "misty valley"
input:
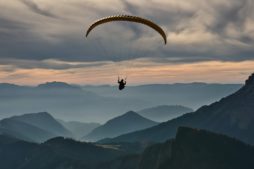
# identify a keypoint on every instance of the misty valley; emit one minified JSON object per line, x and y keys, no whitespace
{"x":147,"y":127}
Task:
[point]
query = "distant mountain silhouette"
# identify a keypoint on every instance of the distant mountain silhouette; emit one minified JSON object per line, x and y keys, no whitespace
{"x":36,"y":127}
{"x":57,"y":85}
{"x":44,"y":121}
{"x":4,"y":86}
{"x":164,"y":113}
{"x":174,"y":94}
{"x":79,"y":129}
{"x":101,"y":103}
{"x":24,"y":131}
{"x":125,"y":123}
{"x":194,"y":149}
{"x":232,"y":115}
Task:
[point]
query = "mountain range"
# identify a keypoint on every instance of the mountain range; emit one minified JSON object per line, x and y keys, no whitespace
{"x":219,"y":135}
{"x":232,"y":115}
{"x":169,"y":94}
{"x":101,"y":103}
{"x":128,"y":122}
{"x":191,"y":149}
{"x":39,"y":127}
{"x":36,"y":127}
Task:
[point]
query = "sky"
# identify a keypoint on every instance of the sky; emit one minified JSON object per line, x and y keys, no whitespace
{"x":44,"y":40}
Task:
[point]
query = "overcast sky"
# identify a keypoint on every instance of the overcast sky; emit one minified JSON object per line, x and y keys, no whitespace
{"x":44,"y":40}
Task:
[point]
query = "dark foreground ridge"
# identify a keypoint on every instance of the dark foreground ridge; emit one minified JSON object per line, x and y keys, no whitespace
{"x":191,"y":149}
{"x":194,"y":148}
{"x":250,"y":81}
{"x":53,"y":154}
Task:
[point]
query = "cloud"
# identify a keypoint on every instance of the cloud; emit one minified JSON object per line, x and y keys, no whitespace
{"x":230,"y":19}
{"x":142,"y":71}
{"x":197,"y":31}
{"x":10,"y":65}
{"x":9,"y":30}
{"x":33,"y":6}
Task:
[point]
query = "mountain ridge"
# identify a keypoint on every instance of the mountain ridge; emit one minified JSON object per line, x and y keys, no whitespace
{"x":43,"y":120}
{"x":232,"y":115}
{"x":195,"y":148}
{"x":35,"y":127}
{"x":99,"y":104}
{"x":191,"y":149}
{"x":129,"y":121}
{"x":55,"y":84}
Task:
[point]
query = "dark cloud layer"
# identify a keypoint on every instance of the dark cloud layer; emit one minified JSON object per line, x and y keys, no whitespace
{"x":235,"y":16}
{"x":13,"y":64}
{"x":224,"y":22}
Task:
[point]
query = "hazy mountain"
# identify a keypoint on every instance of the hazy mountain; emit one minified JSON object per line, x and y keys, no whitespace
{"x":164,"y":112}
{"x":54,"y":154}
{"x":45,"y":121}
{"x":101,"y":103}
{"x":79,"y":129}
{"x":67,"y":102}
{"x":125,"y":123}
{"x":198,"y":149}
{"x":24,"y":131}
{"x":6,"y":86}
{"x":232,"y":115}
{"x":192,"y":95}
{"x":57,"y":85}
{"x":36,"y":127}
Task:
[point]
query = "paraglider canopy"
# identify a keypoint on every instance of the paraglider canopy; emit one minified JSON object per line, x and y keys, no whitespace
{"x":128,"y":18}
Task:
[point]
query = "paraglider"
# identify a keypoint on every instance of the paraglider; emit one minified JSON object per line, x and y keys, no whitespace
{"x":128,"y":18}
{"x":121,"y":83}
